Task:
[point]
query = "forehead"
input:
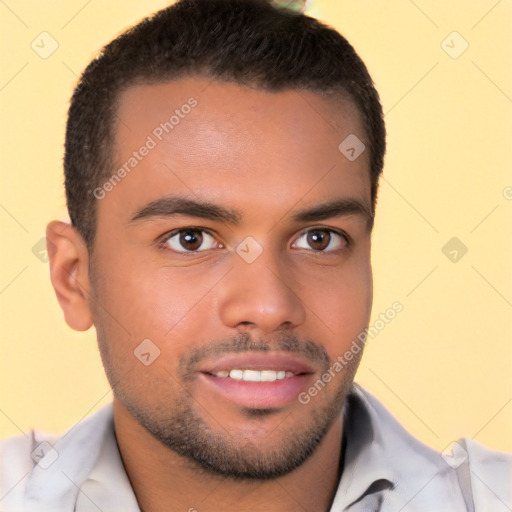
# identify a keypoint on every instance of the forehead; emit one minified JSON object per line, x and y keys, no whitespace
{"x":219,"y":139}
{"x":224,"y":107}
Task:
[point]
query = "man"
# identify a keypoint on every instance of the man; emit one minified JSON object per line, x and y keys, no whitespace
{"x":222,"y":164}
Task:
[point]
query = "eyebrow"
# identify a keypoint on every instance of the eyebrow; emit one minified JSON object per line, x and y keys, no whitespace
{"x":176,"y":205}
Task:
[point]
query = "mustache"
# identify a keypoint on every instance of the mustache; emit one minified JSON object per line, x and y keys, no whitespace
{"x":282,"y":342}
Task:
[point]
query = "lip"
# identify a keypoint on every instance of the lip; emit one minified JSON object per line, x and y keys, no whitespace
{"x":256,"y":395}
{"x":257,"y":361}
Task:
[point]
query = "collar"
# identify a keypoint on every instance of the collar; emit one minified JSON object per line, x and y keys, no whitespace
{"x":380,"y":458}
{"x":77,"y":452}
{"x":88,"y":474}
{"x":108,"y":486}
{"x":384,"y":463}
{"x":366,"y":465}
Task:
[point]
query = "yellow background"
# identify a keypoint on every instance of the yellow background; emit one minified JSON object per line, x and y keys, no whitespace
{"x":443,"y":365}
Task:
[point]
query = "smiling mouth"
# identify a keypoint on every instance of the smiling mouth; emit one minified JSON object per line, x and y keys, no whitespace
{"x":255,"y":389}
{"x":255,"y":380}
{"x":254,"y":375}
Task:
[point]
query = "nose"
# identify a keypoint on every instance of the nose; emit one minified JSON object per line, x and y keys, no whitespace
{"x":260,"y":296}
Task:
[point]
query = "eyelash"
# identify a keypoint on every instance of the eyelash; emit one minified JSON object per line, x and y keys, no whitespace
{"x":163,"y":243}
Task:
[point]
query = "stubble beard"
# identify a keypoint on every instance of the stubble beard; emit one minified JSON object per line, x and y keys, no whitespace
{"x":180,"y":427}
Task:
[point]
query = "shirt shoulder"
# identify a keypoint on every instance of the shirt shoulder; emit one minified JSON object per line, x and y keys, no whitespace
{"x":490,"y":476}
{"x":18,"y":456}
{"x":466,"y":476}
{"x":42,"y":472}
{"x":15,"y":455}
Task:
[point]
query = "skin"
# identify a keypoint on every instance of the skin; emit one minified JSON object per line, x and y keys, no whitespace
{"x":267,"y":155}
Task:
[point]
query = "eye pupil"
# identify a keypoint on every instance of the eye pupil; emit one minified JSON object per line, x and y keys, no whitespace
{"x":317,"y":239}
{"x":191,"y":237}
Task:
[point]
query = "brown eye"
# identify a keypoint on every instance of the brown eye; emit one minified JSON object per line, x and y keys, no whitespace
{"x":318,"y":239}
{"x":191,"y":240}
{"x":322,"y":240}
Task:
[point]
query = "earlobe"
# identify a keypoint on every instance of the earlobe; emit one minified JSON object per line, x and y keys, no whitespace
{"x":69,"y":273}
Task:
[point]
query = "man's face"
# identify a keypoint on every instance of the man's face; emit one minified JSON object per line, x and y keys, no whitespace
{"x":268,"y":284}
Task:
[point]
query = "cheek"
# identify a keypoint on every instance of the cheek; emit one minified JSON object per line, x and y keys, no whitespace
{"x":141,"y":300}
{"x":340,"y":303}
{"x":155,"y":302}
{"x":138,"y":316}
{"x":344,"y":309}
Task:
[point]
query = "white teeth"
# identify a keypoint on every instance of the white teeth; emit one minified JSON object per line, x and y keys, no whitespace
{"x":255,"y":375}
{"x":252,"y":375}
{"x":268,"y":376}
{"x":236,"y":374}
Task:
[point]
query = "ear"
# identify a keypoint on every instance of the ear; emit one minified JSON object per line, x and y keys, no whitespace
{"x":69,"y":273}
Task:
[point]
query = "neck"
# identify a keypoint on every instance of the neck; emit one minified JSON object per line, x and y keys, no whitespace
{"x":160,"y":477}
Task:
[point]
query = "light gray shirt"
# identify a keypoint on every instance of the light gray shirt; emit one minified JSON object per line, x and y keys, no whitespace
{"x":385,"y":469}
